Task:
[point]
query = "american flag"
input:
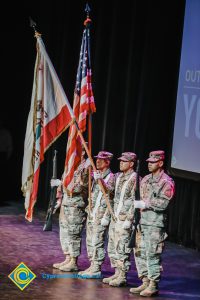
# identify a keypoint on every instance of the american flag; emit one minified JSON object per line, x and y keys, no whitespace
{"x":83,"y":105}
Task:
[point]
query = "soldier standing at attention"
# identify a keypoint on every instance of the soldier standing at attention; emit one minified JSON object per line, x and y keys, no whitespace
{"x":95,"y":229}
{"x":72,"y":216}
{"x":157,"y":189}
{"x":120,"y":231}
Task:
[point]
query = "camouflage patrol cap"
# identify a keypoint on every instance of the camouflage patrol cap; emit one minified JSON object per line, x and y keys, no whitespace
{"x":155,"y":156}
{"x":128,"y":156}
{"x":104,"y":155}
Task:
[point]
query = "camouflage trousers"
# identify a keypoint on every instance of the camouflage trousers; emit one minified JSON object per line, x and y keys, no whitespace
{"x":95,"y":240}
{"x":71,"y":222}
{"x":148,"y":258}
{"x":118,"y":250}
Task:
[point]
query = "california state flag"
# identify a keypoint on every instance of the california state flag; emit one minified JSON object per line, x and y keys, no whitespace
{"x":50,"y":114}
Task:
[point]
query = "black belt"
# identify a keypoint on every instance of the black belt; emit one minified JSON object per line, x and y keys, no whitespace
{"x":157,"y":211}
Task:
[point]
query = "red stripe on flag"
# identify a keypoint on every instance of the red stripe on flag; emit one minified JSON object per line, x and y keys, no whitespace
{"x":55,"y":127}
{"x":73,"y":147}
{"x":49,"y":133}
{"x":33,"y":197}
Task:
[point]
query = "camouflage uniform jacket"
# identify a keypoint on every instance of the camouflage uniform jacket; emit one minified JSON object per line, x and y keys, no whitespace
{"x":159,"y":190}
{"x":109,"y":187}
{"x":79,"y":195}
{"x":127,"y":205}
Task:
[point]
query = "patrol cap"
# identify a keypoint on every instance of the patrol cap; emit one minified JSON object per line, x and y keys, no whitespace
{"x":155,"y":156}
{"x":104,"y":155}
{"x":128,"y":156}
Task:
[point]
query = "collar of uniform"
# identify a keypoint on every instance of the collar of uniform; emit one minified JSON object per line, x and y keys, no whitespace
{"x":105,"y":173}
{"x":157,"y":178}
{"x":80,"y":166}
{"x":128,"y":173}
{"x":83,"y":161}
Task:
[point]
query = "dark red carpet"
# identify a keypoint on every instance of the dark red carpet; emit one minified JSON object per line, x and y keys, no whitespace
{"x":21,"y":241}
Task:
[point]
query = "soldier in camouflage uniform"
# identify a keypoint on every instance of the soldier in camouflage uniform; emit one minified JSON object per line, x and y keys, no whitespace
{"x":72,"y":216}
{"x":119,"y":232}
{"x":98,"y":219}
{"x":157,"y":189}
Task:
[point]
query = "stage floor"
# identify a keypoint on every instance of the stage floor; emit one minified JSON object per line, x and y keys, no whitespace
{"x":26,"y":242}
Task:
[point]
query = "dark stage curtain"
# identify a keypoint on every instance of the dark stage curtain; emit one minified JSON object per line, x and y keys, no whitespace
{"x":136,"y":48}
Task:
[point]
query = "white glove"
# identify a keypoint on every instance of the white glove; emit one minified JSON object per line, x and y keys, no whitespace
{"x":97,"y":175}
{"x":104,"y":221}
{"x":58,"y":204}
{"x":55,"y":182}
{"x":126,"y":224}
{"x":139,"y":204}
{"x":87,"y":163}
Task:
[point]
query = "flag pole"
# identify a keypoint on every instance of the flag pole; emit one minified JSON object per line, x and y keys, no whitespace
{"x":87,"y":25}
{"x":90,"y":169}
{"x":88,"y":149}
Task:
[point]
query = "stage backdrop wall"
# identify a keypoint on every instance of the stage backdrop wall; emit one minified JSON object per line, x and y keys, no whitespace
{"x":136,"y":47}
